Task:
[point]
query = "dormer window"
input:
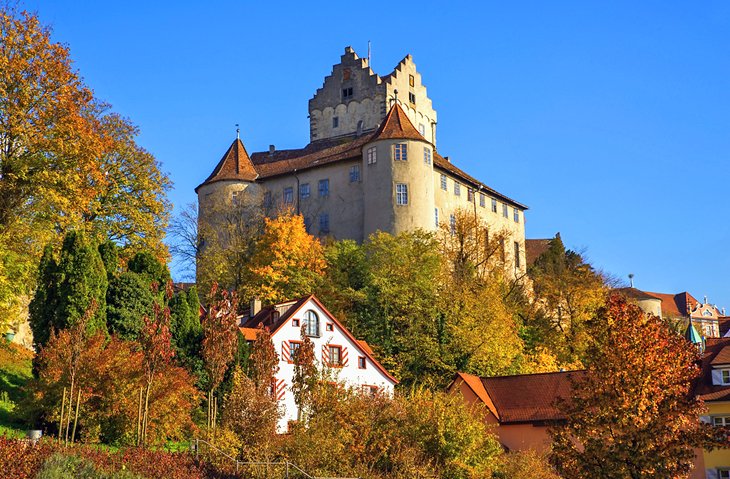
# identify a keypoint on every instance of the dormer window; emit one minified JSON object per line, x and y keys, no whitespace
{"x":725,"y":376}
{"x":312,"y":323}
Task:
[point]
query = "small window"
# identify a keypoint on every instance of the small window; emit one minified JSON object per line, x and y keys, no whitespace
{"x":411,"y":80}
{"x":401,"y":194}
{"x":335,"y":122}
{"x":400,"y":152}
{"x":452,"y":224}
{"x":370,"y":391}
{"x":288,"y":195}
{"x":422,"y":129}
{"x":294,"y":350}
{"x":412,"y":98}
{"x":311,"y":321}
{"x":347,"y":93}
{"x":516,"y":215}
{"x":482,"y":200}
{"x":469,"y":195}
{"x":324,"y":188}
{"x":443,"y":182}
{"x":494,"y":205}
{"x":436,"y":216}
{"x":295,"y":323}
{"x":324,"y":223}
{"x":505,"y":211}
{"x":329,"y":327}
{"x":723,"y":473}
{"x":372,"y":155}
{"x":457,"y":188}
{"x":304,"y":190}
{"x":726,"y":376}
{"x":354,"y":173}
{"x":335,"y":356}
{"x":308,"y":224}
{"x":268,"y":202}
{"x":517,"y":255}
{"x":361,"y":362}
{"x":427,"y":155}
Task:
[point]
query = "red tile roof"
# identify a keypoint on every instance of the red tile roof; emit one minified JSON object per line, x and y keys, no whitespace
{"x":525,"y":398}
{"x":235,"y":165}
{"x":675,"y":305}
{"x":397,"y":126}
{"x":716,"y":349}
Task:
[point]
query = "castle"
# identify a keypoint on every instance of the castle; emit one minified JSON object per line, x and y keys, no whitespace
{"x":371,"y":165}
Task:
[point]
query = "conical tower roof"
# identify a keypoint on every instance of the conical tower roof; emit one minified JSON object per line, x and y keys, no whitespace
{"x":397,"y":126}
{"x":235,"y":165}
{"x":692,"y":335}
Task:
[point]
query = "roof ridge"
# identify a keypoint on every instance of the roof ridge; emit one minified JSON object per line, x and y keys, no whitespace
{"x":235,"y":164}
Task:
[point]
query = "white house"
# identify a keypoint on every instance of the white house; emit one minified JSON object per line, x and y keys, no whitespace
{"x":335,"y":348}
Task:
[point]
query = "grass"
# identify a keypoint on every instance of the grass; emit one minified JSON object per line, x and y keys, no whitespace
{"x":15,"y":371}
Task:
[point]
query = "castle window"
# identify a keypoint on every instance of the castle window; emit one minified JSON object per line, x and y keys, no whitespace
{"x":354,"y":173}
{"x":411,"y":80}
{"x":422,"y":129}
{"x":503,"y":250}
{"x":311,"y":321}
{"x":436,"y":216}
{"x":443,"y":182}
{"x":268,"y":202}
{"x":324,"y":223}
{"x":372,"y":155}
{"x":347,"y":93}
{"x":427,"y":155}
{"x":452,"y":223}
{"x":335,"y":122}
{"x":400,"y":152}
{"x":457,"y":188}
{"x":482,"y":200}
{"x":412,"y":98}
{"x":517,"y":255}
{"x":304,"y":190}
{"x":469,"y":195}
{"x":505,"y":211}
{"x":401,"y":194}
{"x":324,"y":188}
{"x":494,"y":205}
{"x":517,"y":215}
{"x":288,"y":195}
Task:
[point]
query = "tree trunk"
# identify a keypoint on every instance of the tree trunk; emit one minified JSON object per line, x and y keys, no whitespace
{"x":139,"y":418}
{"x":70,"y":406}
{"x":60,"y":421}
{"x":146,"y":411}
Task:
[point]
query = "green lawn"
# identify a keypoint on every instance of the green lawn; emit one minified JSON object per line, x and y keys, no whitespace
{"x":15,"y":371}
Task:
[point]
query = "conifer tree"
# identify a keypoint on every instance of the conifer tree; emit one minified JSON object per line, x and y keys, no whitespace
{"x":129,"y":298}
{"x":44,"y":305}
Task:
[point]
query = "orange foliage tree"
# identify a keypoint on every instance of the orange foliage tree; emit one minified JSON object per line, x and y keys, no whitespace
{"x":633,"y":414}
{"x":288,"y":262}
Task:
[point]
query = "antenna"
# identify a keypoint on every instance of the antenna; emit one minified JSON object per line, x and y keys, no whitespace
{"x":369,"y":53}
{"x":238,"y":132}
{"x":631,"y":279}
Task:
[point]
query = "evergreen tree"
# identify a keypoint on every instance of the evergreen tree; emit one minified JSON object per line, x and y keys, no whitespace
{"x":109,"y":252}
{"x":129,"y":299}
{"x":145,"y":263}
{"x":44,"y":305}
{"x":82,"y":281}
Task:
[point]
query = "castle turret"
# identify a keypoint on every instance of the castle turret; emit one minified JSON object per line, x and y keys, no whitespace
{"x":398,"y":177}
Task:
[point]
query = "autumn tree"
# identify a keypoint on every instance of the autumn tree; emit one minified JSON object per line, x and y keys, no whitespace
{"x":219,"y":342}
{"x":288,"y":262}
{"x":264,"y":362}
{"x":633,"y":414}
{"x":306,"y":375}
{"x":567,"y":292}
{"x":66,"y":161}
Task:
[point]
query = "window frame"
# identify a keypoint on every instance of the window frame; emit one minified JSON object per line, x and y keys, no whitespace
{"x":517,"y":254}
{"x":291,"y":350}
{"x":288,"y":195}
{"x":494,"y":205}
{"x":505,"y":210}
{"x":347,"y":93}
{"x":329,"y":326}
{"x":457,"y":188}
{"x":330,"y":363}
{"x":324,"y":222}
{"x":516,"y":215}
{"x":724,"y":423}
{"x":335,"y":122}
{"x":323,"y":188}
{"x":436,"y":216}
{"x":295,"y":323}
{"x":725,"y":376}
{"x":308,"y":329}
{"x":452,"y":223}
{"x":362,"y":362}
{"x":444,"y":182}
{"x":304,"y":191}
{"x":400,"y":151}
{"x":427,"y":155}
{"x":372,"y":155}
{"x":401,"y":197}
{"x":482,"y":200}
{"x":355,"y":174}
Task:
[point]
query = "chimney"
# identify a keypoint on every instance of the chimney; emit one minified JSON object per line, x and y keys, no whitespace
{"x":723,"y":311}
{"x":272,"y":149}
{"x":255,"y":307}
{"x":705,"y":300}
{"x":447,"y":159}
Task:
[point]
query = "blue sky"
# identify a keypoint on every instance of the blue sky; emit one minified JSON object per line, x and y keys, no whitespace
{"x":610,"y":120}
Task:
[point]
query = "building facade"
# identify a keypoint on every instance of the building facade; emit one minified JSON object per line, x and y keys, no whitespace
{"x":371,"y":165}
{"x":343,"y":358}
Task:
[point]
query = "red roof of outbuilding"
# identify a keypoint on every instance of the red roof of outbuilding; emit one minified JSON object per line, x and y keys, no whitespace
{"x":717,"y":351}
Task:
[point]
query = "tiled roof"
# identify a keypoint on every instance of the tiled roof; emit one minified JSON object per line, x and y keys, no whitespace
{"x":675,"y":305}
{"x":724,"y":324}
{"x":536,"y":247}
{"x":235,"y":165}
{"x":529,"y":397}
{"x":717,"y":351}
{"x":634,"y":293}
{"x":397,"y":126}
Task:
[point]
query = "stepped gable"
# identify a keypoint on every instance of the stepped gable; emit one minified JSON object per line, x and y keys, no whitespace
{"x":235,"y":165}
{"x":397,"y":126}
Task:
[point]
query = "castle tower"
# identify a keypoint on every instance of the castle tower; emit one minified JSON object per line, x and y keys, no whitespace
{"x":354,"y":100}
{"x":398,"y":177}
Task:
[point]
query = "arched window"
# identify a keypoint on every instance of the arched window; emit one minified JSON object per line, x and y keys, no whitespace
{"x":312,"y":323}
